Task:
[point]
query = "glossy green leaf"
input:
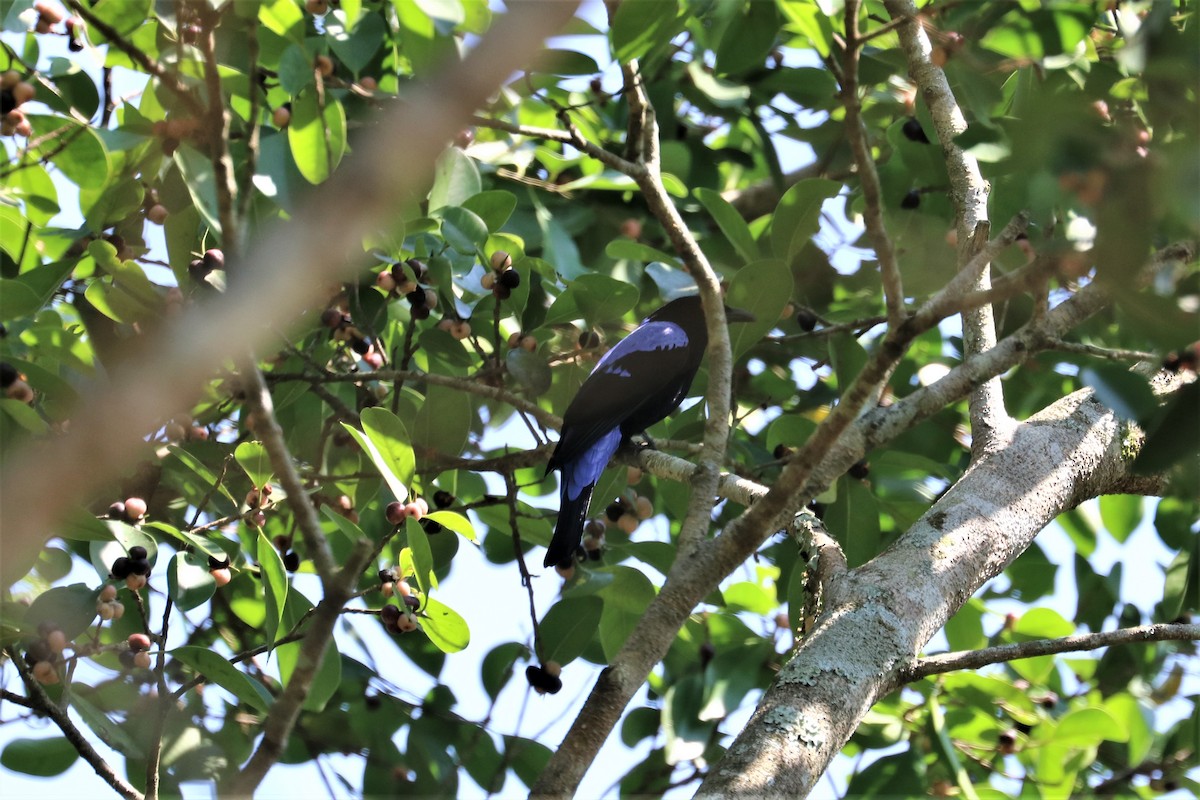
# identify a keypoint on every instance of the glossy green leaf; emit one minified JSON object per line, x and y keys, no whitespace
{"x":640,"y":26}
{"x":215,"y":669}
{"x":385,"y":440}
{"x":464,"y":230}
{"x":568,"y":627}
{"x":275,"y":586}
{"x":444,"y":626}
{"x":1121,"y":514}
{"x":729,"y":221}
{"x":443,"y":423}
{"x":763,"y":288}
{"x":493,"y":207}
{"x":625,"y":603}
{"x":44,"y":758}
{"x":797,"y":217}
{"x":317,"y":135}
{"x":254,"y":459}
{"x":499,"y":664}
{"x":189,"y":583}
{"x":454,"y":522}
{"x":422,"y":556}
{"x":455,"y":178}
{"x":594,"y":298}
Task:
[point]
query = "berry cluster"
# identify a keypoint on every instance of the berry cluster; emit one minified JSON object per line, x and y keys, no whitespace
{"x":133,"y":509}
{"x":503,"y":278}
{"x":545,"y":679}
{"x":291,"y":559}
{"x":344,"y":330}
{"x":396,"y":512}
{"x":199,"y":268}
{"x":44,"y":654}
{"x":155,"y":211}
{"x":134,"y":569}
{"x":14,"y":385}
{"x":14,"y":93}
{"x":136,"y":653}
{"x":108,"y":607}
{"x":396,"y":620}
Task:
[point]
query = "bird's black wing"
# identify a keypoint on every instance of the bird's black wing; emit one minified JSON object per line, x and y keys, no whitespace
{"x":636,"y":375}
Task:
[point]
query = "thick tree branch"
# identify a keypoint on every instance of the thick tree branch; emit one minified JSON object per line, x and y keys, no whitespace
{"x":969,"y":193}
{"x":292,"y":262}
{"x":974,"y":659}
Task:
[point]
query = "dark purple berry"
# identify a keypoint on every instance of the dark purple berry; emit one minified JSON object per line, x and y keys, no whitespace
{"x":911,"y":200}
{"x":510,"y":279}
{"x":291,"y":561}
{"x":913,"y":131}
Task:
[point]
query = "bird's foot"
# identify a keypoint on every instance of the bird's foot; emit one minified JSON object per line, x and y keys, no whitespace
{"x":635,"y":446}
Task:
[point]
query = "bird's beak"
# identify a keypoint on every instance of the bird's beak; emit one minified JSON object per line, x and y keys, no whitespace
{"x":738,"y":315}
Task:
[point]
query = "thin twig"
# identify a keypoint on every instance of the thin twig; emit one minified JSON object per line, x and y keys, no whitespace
{"x":974,"y":659}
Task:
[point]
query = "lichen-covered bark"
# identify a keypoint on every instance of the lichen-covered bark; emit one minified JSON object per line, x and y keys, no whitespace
{"x":881,"y":614}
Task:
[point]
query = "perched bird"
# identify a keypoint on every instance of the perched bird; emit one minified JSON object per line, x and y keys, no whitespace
{"x":641,"y":380}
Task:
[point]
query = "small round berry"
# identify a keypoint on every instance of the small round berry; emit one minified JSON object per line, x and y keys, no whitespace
{"x":385,"y":281}
{"x":529,"y":343}
{"x":214,"y":259}
{"x":510,"y":279}
{"x":500,"y":260}
{"x":416,"y":298}
{"x":460,"y":330}
{"x":135,"y":508}
{"x":394,"y":513}
{"x":407,"y":622}
{"x":445,"y":324}
{"x":387,"y":589}
{"x":291,"y":561}
{"x":431,"y":298}
{"x":221,"y":576}
{"x":23,"y":128}
{"x":403,"y":588}
{"x":859,"y":470}
{"x":614,"y":510}
{"x":633,"y":475}
{"x":588,"y":340}
{"x":45,"y":673}
{"x":106,"y":610}
{"x":552,"y":668}
{"x":118,"y":610}
{"x":413,"y":510}
{"x":108,"y":593}
{"x":116,"y":510}
{"x":643,"y":507}
{"x":913,"y":131}
{"x":488,"y":281}
{"x":9,"y":79}
{"x":135,"y":582}
{"x":316,"y":7}
{"x":57,"y":640}
{"x":121,"y":568}
{"x":157,"y":213}
{"x":443,"y":499}
{"x":911,"y":200}
{"x":419,"y":270}
{"x":126,"y":658}
{"x":141,"y":660}
{"x":411,"y":601}
{"x":566,"y":570}
{"x":20,"y":391}
{"x":628,"y":523}
{"x":23,"y":92}
{"x":368,"y":83}
{"x":332,"y":318}
{"x":631,"y":228}
{"x":501,"y":292}
{"x":464,"y":138}
{"x":138,"y":642}
{"x":281,"y":116}
{"x":390,"y":615}
{"x":806,"y":319}
{"x":323,"y":65}
{"x":137,"y":552}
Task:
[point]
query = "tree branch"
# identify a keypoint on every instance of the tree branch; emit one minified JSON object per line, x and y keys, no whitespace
{"x":856,"y":133}
{"x":969,"y":193}
{"x":41,"y":702}
{"x":292,"y":262}
{"x":974,"y":659}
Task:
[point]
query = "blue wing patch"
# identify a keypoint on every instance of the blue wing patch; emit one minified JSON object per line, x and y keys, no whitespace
{"x":586,"y":470}
{"x":649,"y":337}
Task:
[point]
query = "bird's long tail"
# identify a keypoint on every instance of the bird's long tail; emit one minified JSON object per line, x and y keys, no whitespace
{"x":568,"y":531}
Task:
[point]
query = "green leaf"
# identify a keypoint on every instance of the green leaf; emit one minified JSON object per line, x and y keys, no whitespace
{"x":748,"y":596}
{"x":317,"y":137}
{"x":44,"y":758}
{"x":1042,"y":623}
{"x":275,"y":585}
{"x":687,"y":736}
{"x":763,"y":288}
{"x":206,"y":476}
{"x":1121,"y":514}
{"x":721,"y":93}
{"x":422,"y":556}
{"x":71,"y":608}
{"x":386,"y":442}
{"x":1126,"y":393}
{"x":455,"y":178}
{"x":109,"y":732}
{"x":569,"y":627}
{"x":124,"y":537}
{"x":356,"y":49}
{"x":1084,"y":727}
{"x":463,"y":230}
{"x":497,"y":666}
{"x":283,"y":17}
{"x":642,"y":25}
{"x":595,"y":298}
{"x":444,"y":627}
{"x":854,"y":519}
{"x":255,"y":461}
{"x":348,"y":528}
{"x":494,"y":207}
{"x":636,"y":251}
{"x":454,"y":522}
{"x":625,"y":602}
{"x":215,"y":669}
{"x":566,"y":62}
{"x":443,"y":423}
{"x":730,"y":222}
{"x":798,"y":215}
{"x":530,"y":370}
{"x":189,"y":583}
